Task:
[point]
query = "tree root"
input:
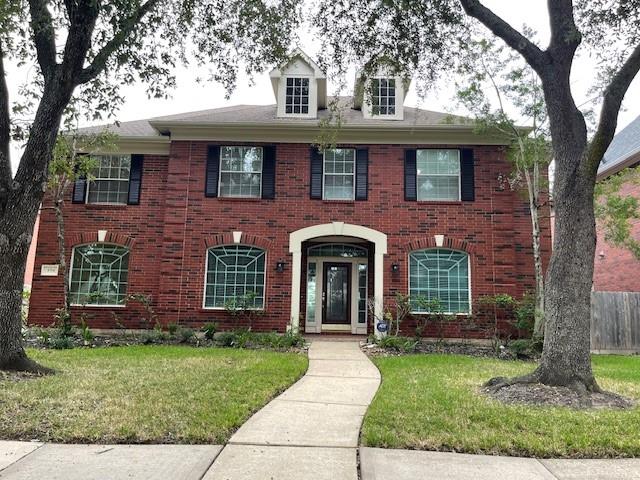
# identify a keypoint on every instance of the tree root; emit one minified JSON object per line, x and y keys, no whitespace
{"x":580,"y":386}
{"x":25,"y":364}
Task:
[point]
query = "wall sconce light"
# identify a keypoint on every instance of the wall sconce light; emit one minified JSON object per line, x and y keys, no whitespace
{"x":280,"y":266}
{"x":395,"y":268}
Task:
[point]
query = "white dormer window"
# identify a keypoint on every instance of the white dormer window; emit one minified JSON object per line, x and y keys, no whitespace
{"x":300,"y":87}
{"x":297,"y":96}
{"x":384,"y":96}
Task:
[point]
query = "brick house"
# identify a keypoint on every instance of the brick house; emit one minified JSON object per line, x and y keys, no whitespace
{"x":198,"y":209}
{"x":616,"y":269}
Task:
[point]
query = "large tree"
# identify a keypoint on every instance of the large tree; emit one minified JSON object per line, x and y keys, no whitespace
{"x":81,"y":52}
{"x":426,"y":35}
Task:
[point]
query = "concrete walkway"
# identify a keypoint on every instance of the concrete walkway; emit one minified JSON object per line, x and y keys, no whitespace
{"x":311,"y":430}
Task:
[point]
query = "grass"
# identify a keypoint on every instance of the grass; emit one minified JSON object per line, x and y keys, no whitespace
{"x":431,"y":402}
{"x":144,"y":394}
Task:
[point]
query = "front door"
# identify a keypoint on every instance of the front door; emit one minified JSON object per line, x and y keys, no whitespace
{"x":336,"y":294}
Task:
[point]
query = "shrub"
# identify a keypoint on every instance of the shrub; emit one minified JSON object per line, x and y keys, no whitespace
{"x":62,"y":343}
{"x":399,"y":344}
{"x":210,"y":330}
{"x":185,"y":334}
{"x":172,"y":328}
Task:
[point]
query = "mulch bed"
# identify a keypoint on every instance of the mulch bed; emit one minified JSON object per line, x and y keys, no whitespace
{"x":536,"y":394}
{"x":452,"y":348}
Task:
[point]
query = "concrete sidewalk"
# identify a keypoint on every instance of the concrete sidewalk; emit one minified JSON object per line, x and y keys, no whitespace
{"x":384,"y":464}
{"x":311,"y":430}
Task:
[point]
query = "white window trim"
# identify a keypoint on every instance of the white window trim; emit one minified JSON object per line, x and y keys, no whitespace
{"x":206,"y":270}
{"x":324,"y":176}
{"x":96,"y":305}
{"x":457,"y":314}
{"x":440,"y":175}
{"x":89,"y":182}
{"x":300,"y":114}
{"x":220,"y":172}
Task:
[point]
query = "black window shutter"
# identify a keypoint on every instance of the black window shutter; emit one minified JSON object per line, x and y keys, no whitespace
{"x":79,"y":190}
{"x":362,"y":174}
{"x":467,"y":181}
{"x":269,"y":172}
{"x":410,"y":176}
{"x":135,"y":180}
{"x":213,"y":167}
{"x":316,"y":173}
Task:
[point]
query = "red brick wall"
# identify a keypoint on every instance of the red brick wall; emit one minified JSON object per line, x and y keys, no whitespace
{"x":174,"y":223}
{"x":616,"y":269}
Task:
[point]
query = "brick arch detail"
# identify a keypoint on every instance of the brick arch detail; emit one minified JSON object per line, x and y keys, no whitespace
{"x":245,"y":239}
{"x":113,"y":237}
{"x":430,"y":242}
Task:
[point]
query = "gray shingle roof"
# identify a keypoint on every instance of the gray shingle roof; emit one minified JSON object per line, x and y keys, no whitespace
{"x":624,"y":144}
{"x":267,"y":114}
{"x":135,"y":128}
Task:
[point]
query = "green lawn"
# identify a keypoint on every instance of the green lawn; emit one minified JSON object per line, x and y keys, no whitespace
{"x":144,"y":394}
{"x":430,"y":402}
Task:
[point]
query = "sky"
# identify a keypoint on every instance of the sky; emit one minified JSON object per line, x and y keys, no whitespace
{"x":189,"y":95}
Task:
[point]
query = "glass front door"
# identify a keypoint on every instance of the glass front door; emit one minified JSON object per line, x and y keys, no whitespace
{"x":336,"y":294}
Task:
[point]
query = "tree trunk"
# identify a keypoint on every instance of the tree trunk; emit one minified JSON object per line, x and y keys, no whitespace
{"x":534,"y":209}
{"x":566,"y":358}
{"x":17,"y":222}
{"x":13,"y":260}
{"x":62,"y":256}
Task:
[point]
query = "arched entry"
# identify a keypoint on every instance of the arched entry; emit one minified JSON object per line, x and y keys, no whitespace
{"x":336,"y":229}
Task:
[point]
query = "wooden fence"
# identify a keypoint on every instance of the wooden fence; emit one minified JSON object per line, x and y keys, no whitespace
{"x":615,"y":322}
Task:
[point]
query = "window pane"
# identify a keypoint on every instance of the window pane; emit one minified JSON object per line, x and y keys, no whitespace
{"x":384,"y":96}
{"x":339,"y":174}
{"x":440,"y":274}
{"x":311,"y":293}
{"x":438,"y":188}
{"x":240,"y":172}
{"x":234,"y":271}
{"x":110,"y":182}
{"x":99,"y":274}
{"x":297,"y":95}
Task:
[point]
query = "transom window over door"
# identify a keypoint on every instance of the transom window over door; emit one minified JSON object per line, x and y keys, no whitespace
{"x":234,"y":271}
{"x":297,"y":95}
{"x":99,"y":274}
{"x":339,"y":174}
{"x":110,"y":182}
{"x":384,"y":96}
{"x":240,"y":172}
{"x":440,"y":274}
{"x":438,"y":174}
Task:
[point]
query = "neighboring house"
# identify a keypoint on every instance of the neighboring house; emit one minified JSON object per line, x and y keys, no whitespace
{"x":616,"y":269}
{"x":199,"y":208}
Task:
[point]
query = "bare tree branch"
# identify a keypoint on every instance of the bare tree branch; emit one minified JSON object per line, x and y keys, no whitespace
{"x":613,"y":96}
{"x":530,"y":51}
{"x":43,"y":37}
{"x":99,"y":62}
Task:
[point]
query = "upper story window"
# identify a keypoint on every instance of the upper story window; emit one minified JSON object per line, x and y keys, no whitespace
{"x":297,"y":95}
{"x":440,"y":274}
{"x":99,"y":273}
{"x":339,"y":174}
{"x":384,"y":96}
{"x":241,"y":172}
{"x":438,"y":174}
{"x":110,"y":182}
